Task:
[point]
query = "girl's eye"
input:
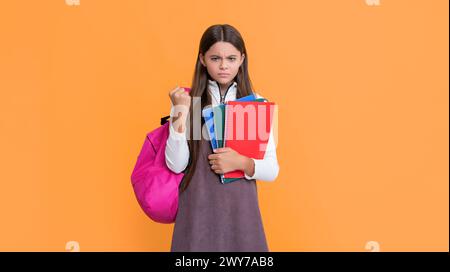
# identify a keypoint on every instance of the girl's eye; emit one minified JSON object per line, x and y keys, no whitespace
{"x":232,"y":59}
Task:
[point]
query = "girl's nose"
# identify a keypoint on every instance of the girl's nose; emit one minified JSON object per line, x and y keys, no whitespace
{"x":223,"y":65}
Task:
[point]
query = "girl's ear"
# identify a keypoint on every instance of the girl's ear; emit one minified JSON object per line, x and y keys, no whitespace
{"x":242,"y":58}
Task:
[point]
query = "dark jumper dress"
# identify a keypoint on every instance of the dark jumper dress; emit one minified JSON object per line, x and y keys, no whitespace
{"x":218,"y":217}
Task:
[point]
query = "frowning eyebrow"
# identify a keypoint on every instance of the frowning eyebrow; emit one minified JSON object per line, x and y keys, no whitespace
{"x":227,"y":57}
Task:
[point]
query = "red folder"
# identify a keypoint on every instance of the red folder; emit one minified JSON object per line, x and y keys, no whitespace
{"x":247,"y":129}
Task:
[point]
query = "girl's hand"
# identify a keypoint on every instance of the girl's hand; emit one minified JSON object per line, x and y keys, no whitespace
{"x":226,"y":159}
{"x":179,"y":96}
{"x":181,"y":101}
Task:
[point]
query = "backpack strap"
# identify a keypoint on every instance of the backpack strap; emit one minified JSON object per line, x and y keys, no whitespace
{"x":165,"y":119}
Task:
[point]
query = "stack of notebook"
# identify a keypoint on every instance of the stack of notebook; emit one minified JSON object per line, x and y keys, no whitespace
{"x":243,"y":125}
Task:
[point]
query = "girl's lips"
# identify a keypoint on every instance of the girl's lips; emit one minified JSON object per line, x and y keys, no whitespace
{"x":224,"y":75}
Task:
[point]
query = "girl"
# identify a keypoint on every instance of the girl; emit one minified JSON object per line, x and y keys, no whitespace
{"x":213,"y":216}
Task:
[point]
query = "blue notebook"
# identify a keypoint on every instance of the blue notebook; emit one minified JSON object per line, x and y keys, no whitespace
{"x":208,"y":115}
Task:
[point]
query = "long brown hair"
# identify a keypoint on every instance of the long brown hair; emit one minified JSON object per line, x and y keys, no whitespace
{"x":214,"y":33}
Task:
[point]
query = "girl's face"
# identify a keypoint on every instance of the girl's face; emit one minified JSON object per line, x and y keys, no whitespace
{"x":222,"y":61}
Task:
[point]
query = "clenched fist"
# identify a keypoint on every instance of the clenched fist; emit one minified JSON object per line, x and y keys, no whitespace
{"x":181,"y":101}
{"x":179,"y":96}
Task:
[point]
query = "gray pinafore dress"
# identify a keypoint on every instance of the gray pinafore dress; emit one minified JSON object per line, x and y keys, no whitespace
{"x":216,"y":217}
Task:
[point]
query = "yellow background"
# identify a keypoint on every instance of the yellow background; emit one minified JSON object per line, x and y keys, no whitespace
{"x":363,"y":118}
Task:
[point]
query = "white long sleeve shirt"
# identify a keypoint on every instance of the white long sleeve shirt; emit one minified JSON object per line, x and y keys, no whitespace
{"x":177,"y":149}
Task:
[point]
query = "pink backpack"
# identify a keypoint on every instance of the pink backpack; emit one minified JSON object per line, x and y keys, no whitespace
{"x":154,"y":184}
